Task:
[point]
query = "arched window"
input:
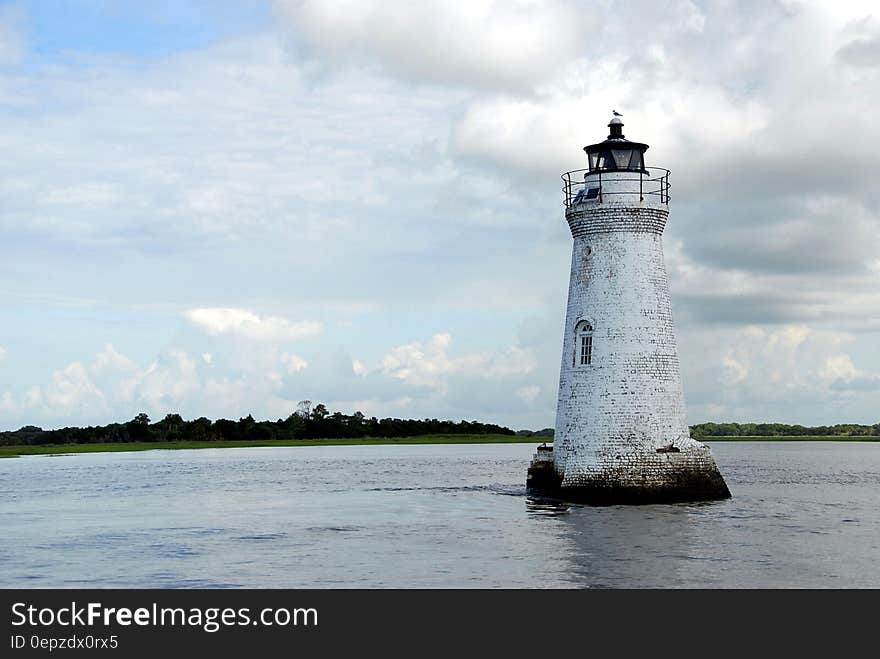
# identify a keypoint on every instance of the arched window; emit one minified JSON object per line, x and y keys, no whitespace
{"x":583,"y":344}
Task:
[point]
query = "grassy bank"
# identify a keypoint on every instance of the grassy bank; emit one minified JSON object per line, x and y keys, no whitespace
{"x":14,"y":451}
{"x":791,"y":438}
{"x":60,"y":449}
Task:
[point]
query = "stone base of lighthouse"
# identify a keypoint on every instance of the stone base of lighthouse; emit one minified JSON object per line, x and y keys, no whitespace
{"x":684,"y":472}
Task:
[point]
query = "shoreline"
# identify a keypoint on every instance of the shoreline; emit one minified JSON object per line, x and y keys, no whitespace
{"x":64,"y":449}
{"x":791,"y":438}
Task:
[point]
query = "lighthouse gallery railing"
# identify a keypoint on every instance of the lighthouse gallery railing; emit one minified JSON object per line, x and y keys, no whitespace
{"x":653,"y":185}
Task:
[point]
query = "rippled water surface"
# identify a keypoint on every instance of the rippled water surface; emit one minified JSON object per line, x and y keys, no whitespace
{"x":803,"y":514}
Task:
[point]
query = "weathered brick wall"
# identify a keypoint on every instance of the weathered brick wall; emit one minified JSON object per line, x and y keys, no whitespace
{"x":613,"y":414}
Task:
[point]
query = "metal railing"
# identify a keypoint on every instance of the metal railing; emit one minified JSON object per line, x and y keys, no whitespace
{"x":653,"y":185}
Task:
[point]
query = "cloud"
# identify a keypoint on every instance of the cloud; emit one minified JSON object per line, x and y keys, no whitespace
{"x":110,"y":359}
{"x":3,"y":353}
{"x":860,"y":40}
{"x":165,"y":384}
{"x":798,"y":238}
{"x":431,"y":365}
{"x":839,"y":367}
{"x":70,"y":394}
{"x":843,"y":375}
{"x":864,"y":51}
{"x":415,"y":365}
{"x":293,"y":363}
{"x":113,"y":388}
{"x":249,"y":325}
{"x":425,"y":380}
{"x":479,"y":42}
{"x":790,"y":373}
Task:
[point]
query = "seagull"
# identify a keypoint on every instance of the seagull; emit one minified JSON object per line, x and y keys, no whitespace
{"x":616,"y":113}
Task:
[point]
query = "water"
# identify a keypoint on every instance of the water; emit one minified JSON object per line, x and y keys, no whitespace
{"x":803,"y":514}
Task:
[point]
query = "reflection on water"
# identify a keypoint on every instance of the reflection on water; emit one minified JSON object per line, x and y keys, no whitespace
{"x":543,"y":507}
{"x":802,"y":514}
{"x":657,"y":539}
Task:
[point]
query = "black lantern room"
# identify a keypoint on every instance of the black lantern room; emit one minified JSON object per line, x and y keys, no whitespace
{"x":616,"y":154}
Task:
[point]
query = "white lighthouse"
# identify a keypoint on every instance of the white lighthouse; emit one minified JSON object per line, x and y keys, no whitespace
{"x":621,"y":430}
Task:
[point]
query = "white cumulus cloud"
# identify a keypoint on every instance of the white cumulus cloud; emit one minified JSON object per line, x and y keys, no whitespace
{"x":249,"y":325}
{"x":110,"y":359}
{"x":430,"y":365}
{"x":789,"y":373}
{"x":71,"y":392}
{"x":293,"y":363}
{"x":510,"y":43}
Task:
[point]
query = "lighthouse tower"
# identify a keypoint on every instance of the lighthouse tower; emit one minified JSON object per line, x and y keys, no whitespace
{"x":621,"y":431}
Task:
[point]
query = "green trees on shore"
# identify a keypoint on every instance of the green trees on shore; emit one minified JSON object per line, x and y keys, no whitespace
{"x":309,"y":422}
{"x":306,"y":423}
{"x":782,"y":430}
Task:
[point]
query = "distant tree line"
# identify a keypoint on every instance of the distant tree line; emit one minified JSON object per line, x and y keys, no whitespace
{"x":782,"y":430}
{"x":309,"y":422}
{"x":546,"y":433}
{"x":306,"y":422}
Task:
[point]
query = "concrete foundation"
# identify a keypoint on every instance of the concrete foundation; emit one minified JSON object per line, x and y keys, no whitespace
{"x":667,"y":477}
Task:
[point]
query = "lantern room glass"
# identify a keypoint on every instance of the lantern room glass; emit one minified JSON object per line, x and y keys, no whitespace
{"x":625,"y":159}
{"x":622,"y":157}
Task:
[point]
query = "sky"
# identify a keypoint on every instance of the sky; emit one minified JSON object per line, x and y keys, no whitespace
{"x":221,"y":208}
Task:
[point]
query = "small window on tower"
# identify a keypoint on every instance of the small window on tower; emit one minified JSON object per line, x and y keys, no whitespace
{"x":586,"y":349}
{"x":583,"y":344}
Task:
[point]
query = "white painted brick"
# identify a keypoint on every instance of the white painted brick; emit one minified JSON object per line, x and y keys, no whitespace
{"x":613,"y":414}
